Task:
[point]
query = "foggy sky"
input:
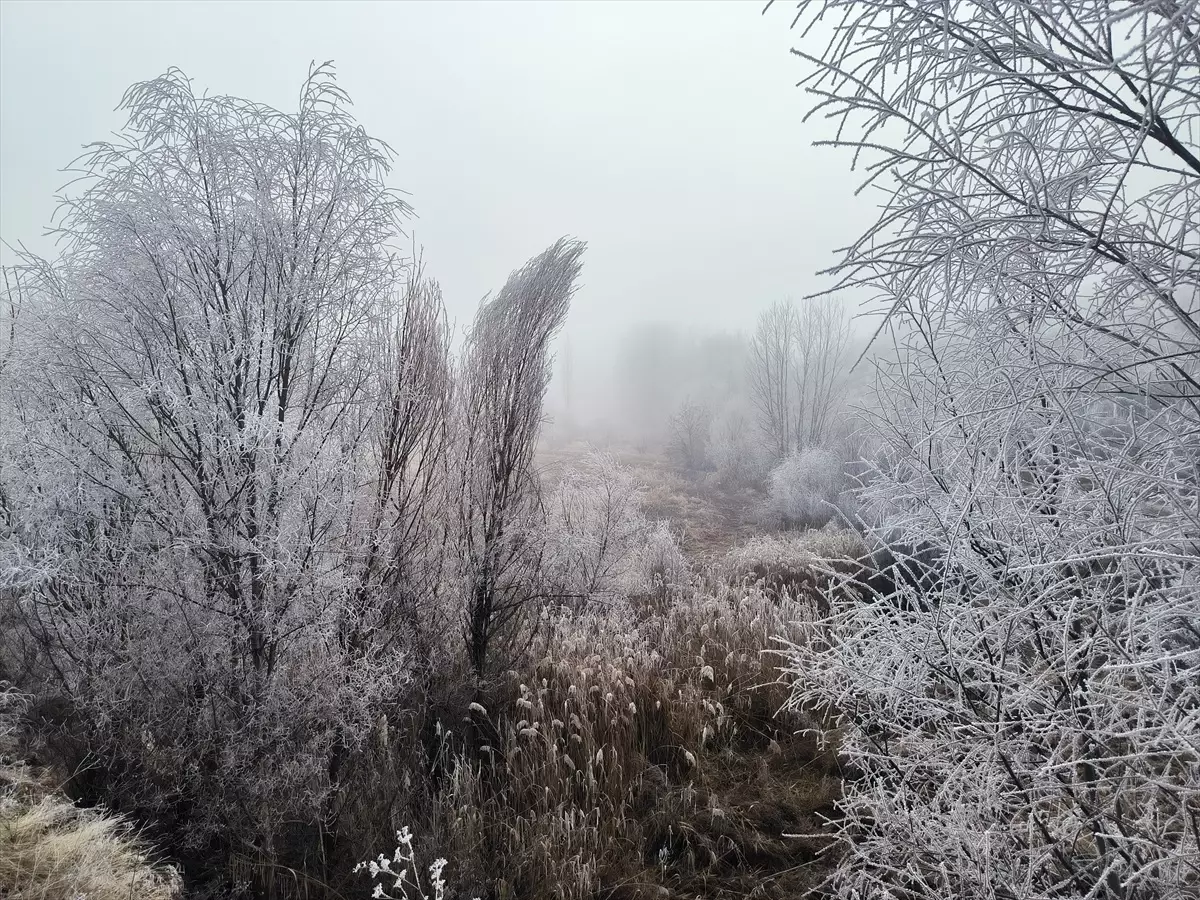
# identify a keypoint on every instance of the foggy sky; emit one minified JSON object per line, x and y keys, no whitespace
{"x":666,"y":135}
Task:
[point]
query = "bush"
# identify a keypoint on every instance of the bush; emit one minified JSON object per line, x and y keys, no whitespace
{"x":660,"y":563}
{"x":807,"y":489}
{"x":594,"y":529}
{"x":740,"y":460}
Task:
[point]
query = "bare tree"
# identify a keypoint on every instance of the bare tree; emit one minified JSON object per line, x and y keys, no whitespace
{"x":772,"y":353}
{"x":797,"y":372}
{"x":12,"y":302}
{"x":595,"y":529}
{"x":1026,"y":724}
{"x":690,"y":432}
{"x":212,"y":339}
{"x":12,"y":306}
{"x":821,"y":336}
{"x":506,"y":371}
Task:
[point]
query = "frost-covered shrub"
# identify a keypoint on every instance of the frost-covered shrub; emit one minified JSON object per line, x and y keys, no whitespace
{"x":594,"y":529}
{"x":804,"y":490}
{"x":661,"y":564}
{"x":1023,"y":725}
{"x":735,"y":450}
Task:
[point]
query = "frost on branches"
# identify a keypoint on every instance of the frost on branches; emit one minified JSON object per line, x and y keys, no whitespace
{"x":187,"y":472}
{"x":506,"y":370}
{"x":1029,"y":727}
{"x":229,"y":456}
{"x":594,"y":530}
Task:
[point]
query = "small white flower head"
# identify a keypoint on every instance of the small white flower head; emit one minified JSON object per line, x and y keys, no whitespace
{"x":435,"y":874}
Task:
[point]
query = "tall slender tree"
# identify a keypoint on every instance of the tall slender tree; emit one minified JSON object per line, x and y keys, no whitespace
{"x":506,"y":371}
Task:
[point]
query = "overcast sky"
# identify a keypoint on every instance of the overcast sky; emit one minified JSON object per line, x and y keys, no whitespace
{"x":666,"y":135}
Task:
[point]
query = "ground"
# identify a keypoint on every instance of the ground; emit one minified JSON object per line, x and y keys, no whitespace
{"x":709,"y":518}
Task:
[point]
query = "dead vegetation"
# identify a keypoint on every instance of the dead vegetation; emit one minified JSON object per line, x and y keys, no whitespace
{"x":635,"y":749}
{"x":51,"y":849}
{"x":638,"y":750}
{"x":639,"y":754}
{"x":709,"y":517}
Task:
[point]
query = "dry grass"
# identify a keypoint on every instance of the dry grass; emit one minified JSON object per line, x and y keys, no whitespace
{"x":638,"y":750}
{"x":710,"y":517}
{"x":52,"y":850}
{"x":641,"y":756}
{"x":794,"y":564}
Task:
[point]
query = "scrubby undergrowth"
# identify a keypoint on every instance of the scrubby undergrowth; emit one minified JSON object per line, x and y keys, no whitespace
{"x":647,"y":760}
{"x":51,"y":849}
{"x":637,"y":750}
{"x":633,"y":747}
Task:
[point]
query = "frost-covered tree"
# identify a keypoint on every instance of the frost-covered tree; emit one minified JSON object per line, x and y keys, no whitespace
{"x":771,"y":378}
{"x":690,"y":428}
{"x":224,"y":358}
{"x":1031,"y":726}
{"x":401,"y":564}
{"x":819,"y":370}
{"x":797,"y":372}
{"x":594,"y":530}
{"x":506,"y":370}
{"x":12,"y":303}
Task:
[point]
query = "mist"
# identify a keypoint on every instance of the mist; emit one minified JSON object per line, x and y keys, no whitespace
{"x":670,"y":138}
{"x":563,"y":451}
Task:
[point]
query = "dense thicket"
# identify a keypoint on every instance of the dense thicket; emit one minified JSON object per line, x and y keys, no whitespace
{"x":232,"y":434}
{"x":1028,"y":723}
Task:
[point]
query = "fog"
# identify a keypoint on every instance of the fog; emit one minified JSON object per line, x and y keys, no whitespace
{"x":599,"y":554}
{"x":668,"y":137}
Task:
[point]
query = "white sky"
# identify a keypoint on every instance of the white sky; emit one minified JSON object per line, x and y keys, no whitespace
{"x":666,"y":135}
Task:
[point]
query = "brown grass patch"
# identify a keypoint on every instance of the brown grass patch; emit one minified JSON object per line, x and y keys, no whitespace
{"x":644,"y":757}
{"x":52,"y":850}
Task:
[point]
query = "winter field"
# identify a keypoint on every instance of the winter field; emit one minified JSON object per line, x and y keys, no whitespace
{"x":307,"y":593}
